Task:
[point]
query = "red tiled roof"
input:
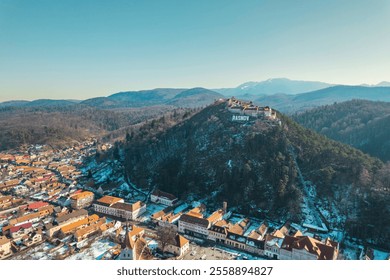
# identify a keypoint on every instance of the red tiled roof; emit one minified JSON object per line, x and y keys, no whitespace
{"x":37,"y":205}
{"x":16,"y":228}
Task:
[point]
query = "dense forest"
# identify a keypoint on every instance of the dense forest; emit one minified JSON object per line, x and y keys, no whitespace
{"x":61,"y":125}
{"x":362,"y":124}
{"x":359,"y":185}
{"x":252,"y":166}
{"x":207,"y":152}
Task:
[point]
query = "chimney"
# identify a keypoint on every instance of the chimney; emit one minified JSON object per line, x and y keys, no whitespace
{"x":224,"y":206}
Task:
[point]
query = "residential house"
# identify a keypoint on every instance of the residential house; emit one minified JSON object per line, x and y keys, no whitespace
{"x":5,"y":247}
{"x":254,"y":246}
{"x":178,"y":246}
{"x":5,"y":201}
{"x":33,"y":217}
{"x":81,"y":200}
{"x":160,"y":214}
{"x":6,"y":157}
{"x":64,"y":219}
{"x":19,"y":231}
{"x":116,"y":207}
{"x":32,"y":238}
{"x":170,"y":219}
{"x":218,"y":231}
{"x":163,"y":198}
{"x":7,"y":185}
{"x":238,"y":237}
{"x":194,"y":224}
{"x":92,"y":229}
{"x":73,"y":216}
{"x":308,"y":248}
{"x":73,"y":227}
{"x":272,"y":246}
{"x":34,"y":206}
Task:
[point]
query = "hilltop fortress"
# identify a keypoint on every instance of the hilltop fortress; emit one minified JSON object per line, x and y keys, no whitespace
{"x":245,"y":109}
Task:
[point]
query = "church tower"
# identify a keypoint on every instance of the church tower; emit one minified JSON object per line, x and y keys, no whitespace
{"x":128,"y":247}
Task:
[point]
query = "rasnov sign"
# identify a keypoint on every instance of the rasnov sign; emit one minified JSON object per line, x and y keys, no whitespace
{"x":240,"y":118}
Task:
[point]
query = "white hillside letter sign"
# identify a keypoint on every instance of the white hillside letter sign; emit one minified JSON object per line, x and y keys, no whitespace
{"x":240,"y":118}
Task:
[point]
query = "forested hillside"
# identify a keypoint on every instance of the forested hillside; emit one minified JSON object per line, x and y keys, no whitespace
{"x":360,"y":123}
{"x":252,"y":165}
{"x":62,"y":125}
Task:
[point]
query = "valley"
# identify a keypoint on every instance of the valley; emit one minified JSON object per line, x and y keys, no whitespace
{"x":283,"y":183}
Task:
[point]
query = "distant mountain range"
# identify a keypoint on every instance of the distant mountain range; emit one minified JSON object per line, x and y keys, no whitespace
{"x":383,"y":84}
{"x":301,"y":102}
{"x":287,"y":96}
{"x":281,"y":86}
{"x":189,"y":98}
{"x":273,"y":86}
{"x":195,"y":97}
{"x":38,"y":103}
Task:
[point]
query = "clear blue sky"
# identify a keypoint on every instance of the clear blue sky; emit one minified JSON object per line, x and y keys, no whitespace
{"x":79,"y":49}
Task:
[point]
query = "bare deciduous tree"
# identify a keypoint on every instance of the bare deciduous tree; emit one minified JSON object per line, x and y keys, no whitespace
{"x":165,"y":235}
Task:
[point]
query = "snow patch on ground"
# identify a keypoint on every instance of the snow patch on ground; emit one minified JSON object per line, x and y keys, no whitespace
{"x":39,"y":252}
{"x":96,"y":249}
{"x":380,"y":255}
{"x":181,"y":208}
{"x":152,"y":244}
{"x":151,"y":208}
{"x":235,"y":218}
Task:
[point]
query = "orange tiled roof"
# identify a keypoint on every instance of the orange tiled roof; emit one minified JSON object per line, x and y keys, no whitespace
{"x":254,"y":235}
{"x":136,"y":231}
{"x":278,"y":233}
{"x":75,"y":225}
{"x":221,"y":223}
{"x":137,"y":205}
{"x":170,"y":217}
{"x":237,"y":229}
{"x":46,"y":210}
{"x":81,"y":195}
{"x":89,"y":229}
{"x":181,"y":240}
{"x":215,"y":216}
{"x":109,"y":200}
{"x":5,"y":198}
{"x":158,"y":214}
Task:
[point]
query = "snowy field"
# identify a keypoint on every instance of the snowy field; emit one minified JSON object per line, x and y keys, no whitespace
{"x":38,"y":253}
{"x":95,"y":251}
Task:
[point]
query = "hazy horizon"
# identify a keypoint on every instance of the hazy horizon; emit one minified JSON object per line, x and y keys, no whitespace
{"x":84,"y":49}
{"x":108,"y":94}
